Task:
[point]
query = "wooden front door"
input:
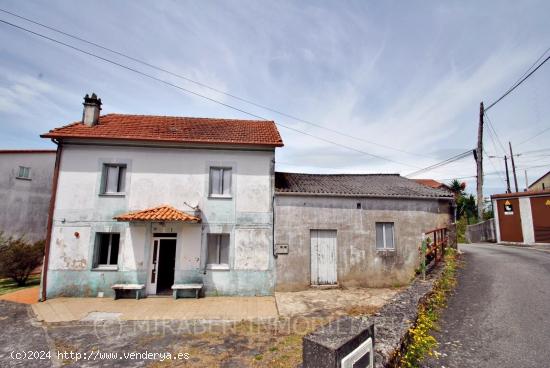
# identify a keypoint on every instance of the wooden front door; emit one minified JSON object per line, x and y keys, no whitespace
{"x":323,"y":257}
{"x":509,"y":220}
{"x":540,"y":209}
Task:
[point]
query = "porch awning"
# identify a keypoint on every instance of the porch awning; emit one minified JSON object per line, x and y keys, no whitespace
{"x":162,"y":213}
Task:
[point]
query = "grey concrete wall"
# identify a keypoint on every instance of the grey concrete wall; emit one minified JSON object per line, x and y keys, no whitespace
{"x":482,"y":232}
{"x":24,"y":203}
{"x":358,"y":261}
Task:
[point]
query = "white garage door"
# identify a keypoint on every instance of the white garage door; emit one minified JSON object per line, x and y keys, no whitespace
{"x":323,"y":257}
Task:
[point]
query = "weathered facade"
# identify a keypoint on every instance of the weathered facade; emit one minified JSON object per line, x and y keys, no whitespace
{"x":190,"y":202}
{"x":350,"y":210}
{"x":522,"y":218}
{"x":25,"y":190}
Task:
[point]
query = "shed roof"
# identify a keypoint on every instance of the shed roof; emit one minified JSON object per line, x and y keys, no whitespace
{"x":356,"y":185}
{"x":174,"y":129}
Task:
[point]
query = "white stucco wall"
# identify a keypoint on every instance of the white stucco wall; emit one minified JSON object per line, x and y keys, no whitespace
{"x":526,"y":220}
{"x":157,"y":176}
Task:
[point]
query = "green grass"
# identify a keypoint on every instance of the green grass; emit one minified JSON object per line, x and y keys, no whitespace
{"x":8,"y":285}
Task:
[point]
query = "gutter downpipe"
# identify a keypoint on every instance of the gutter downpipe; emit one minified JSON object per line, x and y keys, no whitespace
{"x":50,"y":220}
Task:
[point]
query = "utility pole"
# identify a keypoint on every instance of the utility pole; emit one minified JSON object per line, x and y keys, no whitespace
{"x":479,"y":162}
{"x":526,"y":181}
{"x":513,"y":167}
{"x":508,"y":190}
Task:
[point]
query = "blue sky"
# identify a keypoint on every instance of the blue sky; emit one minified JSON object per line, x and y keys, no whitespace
{"x":408,"y":75}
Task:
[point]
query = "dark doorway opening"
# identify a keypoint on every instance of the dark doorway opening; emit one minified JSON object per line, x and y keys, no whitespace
{"x":166,"y":265}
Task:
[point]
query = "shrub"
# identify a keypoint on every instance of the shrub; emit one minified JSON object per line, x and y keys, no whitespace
{"x":18,"y":258}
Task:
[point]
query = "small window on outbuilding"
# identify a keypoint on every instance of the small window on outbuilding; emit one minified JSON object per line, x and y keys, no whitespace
{"x":106,"y":250}
{"x":220,"y":182}
{"x":359,"y":205}
{"x":385,"y":239}
{"x":114,"y":179}
{"x":218,"y":249}
{"x":24,"y":173}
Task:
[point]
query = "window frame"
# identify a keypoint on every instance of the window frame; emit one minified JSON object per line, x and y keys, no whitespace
{"x":222,"y":176}
{"x":97,"y":252}
{"x":26,"y":170}
{"x":121,"y":179}
{"x":385,"y":247}
{"x":220,"y":237}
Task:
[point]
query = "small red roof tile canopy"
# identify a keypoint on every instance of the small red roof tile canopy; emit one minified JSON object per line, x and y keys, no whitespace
{"x":160,"y":213}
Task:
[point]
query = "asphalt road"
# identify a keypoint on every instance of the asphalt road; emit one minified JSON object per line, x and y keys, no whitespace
{"x":499,"y":315}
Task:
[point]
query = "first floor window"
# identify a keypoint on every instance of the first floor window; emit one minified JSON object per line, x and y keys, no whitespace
{"x":114,"y":178}
{"x":385,"y":236}
{"x":218,"y":249}
{"x":24,"y":172}
{"x":107,"y":245}
{"x":220,"y":182}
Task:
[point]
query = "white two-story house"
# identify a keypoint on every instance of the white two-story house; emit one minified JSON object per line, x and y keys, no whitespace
{"x":159,"y":200}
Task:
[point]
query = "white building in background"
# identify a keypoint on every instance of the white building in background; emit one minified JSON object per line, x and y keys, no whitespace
{"x":158,"y":200}
{"x":25,"y":190}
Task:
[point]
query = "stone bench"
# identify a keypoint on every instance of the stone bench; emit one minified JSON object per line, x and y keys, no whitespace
{"x":177,"y":287}
{"x":120,"y":287}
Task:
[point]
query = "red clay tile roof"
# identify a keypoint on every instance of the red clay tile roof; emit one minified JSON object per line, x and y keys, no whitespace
{"x":11,"y":151}
{"x":430,"y":182}
{"x":160,"y":213}
{"x":174,"y":129}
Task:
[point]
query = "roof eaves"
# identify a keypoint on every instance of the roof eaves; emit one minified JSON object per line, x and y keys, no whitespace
{"x":363,"y":195}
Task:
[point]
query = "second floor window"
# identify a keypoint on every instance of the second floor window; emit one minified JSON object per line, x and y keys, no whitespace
{"x":24,"y":172}
{"x":114,"y":178}
{"x":220,"y":182}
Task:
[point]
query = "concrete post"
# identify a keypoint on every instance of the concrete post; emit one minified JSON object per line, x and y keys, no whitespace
{"x":346,"y":342}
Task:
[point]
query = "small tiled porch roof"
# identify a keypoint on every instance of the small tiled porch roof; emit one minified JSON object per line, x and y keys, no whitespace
{"x":161,"y":213}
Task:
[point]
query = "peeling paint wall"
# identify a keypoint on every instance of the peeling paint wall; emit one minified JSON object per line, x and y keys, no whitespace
{"x":24,"y":203}
{"x":358,"y":261}
{"x":157,"y":176}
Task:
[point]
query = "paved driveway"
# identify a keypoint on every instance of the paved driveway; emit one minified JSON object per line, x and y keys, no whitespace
{"x":499,"y":315}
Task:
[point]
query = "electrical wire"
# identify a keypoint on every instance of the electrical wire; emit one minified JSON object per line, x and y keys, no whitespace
{"x":534,"y":136}
{"x":177,"y":75}
{"x":440,"y":164}
{"x":203,"y":96}
{"x":517,"y":84}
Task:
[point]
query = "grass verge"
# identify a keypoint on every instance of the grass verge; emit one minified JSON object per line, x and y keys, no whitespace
{"x":8,"y":285}
{"x":421,"y":342}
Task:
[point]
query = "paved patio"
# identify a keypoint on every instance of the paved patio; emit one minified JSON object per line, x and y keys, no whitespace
{"x":288,"y":304}
{"x":210,"y":308}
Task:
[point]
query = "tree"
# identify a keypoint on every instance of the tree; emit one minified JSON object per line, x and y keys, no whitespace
{"x":465,"y":204}
{"x":18,"y":258}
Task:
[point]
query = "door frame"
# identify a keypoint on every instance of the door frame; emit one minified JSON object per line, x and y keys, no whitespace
{"x":151,"y":286}
{"x":314,"y":260}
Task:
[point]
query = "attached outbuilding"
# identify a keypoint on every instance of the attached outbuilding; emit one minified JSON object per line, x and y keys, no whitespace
{"x":352,"y":230}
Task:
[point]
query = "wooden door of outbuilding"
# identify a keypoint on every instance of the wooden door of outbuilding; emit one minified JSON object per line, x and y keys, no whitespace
{"x":540,"y":209}
{"x":509,"y":220}
{"x":323,"y":257}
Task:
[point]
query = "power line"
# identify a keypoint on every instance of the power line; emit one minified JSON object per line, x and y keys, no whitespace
{"x":440,"y":164}
{"x":534,"y":136}
{"x":491,"y":127}
{"x":201,"y":95}
{"x":242,"y":99}
{"x":517,"y":84}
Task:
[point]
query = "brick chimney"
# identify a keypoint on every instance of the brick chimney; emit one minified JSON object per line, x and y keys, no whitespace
{"x":92,"y":107}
